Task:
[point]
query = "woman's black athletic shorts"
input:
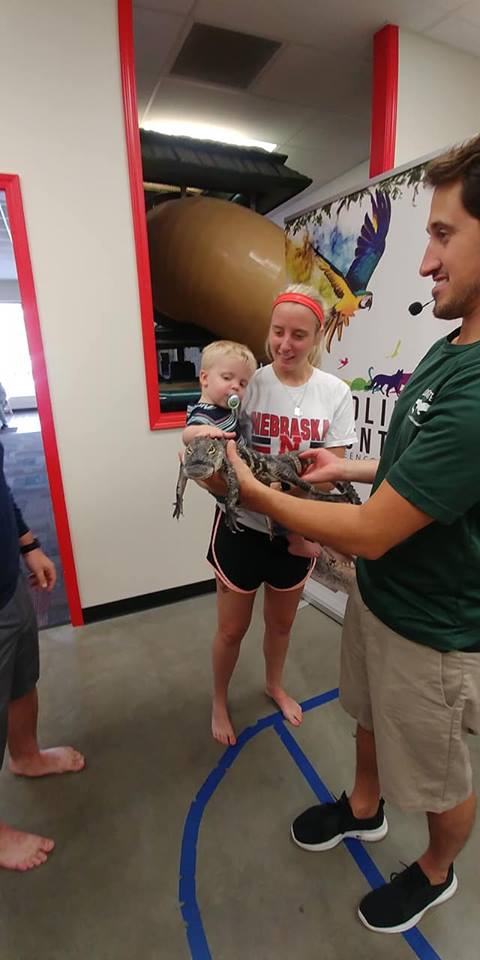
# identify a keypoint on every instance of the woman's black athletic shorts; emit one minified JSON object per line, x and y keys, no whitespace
{"x":245,"y":560}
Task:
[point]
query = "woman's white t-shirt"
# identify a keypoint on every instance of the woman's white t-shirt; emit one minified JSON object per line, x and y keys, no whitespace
{"x":270,"y":423}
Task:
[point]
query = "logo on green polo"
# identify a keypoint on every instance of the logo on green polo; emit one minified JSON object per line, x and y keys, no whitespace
{"x":420,"y":408}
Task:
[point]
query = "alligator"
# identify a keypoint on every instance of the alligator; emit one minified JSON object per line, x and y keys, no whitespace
{"x":205,"y":456}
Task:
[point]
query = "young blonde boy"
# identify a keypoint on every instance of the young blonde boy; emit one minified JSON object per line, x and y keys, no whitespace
{"x":226,"y":369}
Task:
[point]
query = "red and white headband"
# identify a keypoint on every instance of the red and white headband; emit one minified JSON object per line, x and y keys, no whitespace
{"x":305,"y":301}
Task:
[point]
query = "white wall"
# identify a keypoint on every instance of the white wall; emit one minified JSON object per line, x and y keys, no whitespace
{"x":316,"y":194}
{"x":437,"y":97}
{"x":62,"y":131}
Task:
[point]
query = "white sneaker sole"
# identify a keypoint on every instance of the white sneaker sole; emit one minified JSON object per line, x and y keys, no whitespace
{"x":368,"y":836}
{"x":403,"y":927}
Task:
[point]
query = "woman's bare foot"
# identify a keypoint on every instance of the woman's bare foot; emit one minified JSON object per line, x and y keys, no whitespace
{"x":222,"y":729}
{"x":22,"y":851}
{"x":291,"y":710}
{"x":300,"y":547}
{"x":46,"y":762}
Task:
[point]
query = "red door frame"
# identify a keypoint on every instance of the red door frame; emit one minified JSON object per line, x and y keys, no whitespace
{"x":158,"y":420}
{"x":10,"y":184}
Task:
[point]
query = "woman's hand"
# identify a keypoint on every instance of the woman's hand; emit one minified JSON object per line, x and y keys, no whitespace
{"x":323,"y":466}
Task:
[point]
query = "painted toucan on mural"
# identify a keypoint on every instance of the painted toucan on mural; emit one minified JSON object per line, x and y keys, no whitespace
{"x":344,"y":293}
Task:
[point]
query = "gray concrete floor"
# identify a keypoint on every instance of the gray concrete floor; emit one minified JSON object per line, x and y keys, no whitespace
{"x":133,"y":693}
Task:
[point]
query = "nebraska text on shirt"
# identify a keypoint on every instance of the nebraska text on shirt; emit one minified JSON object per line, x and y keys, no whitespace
{"x":270,"y":425}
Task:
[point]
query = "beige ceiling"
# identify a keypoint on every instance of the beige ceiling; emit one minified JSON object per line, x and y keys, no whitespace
{"x":313,"y":97}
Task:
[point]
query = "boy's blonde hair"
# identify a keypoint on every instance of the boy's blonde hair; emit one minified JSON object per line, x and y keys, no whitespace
{"x":223,"y":348}
{"x":315,"y":355}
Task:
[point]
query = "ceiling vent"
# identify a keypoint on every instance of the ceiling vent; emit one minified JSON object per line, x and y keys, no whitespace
{"x":215,"y":55}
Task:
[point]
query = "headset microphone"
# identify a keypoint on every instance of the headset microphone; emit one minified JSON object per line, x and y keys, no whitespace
{"x":417,"y":307}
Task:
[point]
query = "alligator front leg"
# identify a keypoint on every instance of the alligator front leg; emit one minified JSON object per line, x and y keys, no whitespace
{"x":346,"y":492}
{"x":181,"y":484}
{"x":288,"y":475}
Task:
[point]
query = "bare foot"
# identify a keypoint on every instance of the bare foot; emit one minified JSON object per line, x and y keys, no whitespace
{"x":300,"y":547}
{"x":22,"y":851}
{"x":222,"y":729}
{"x":46,"y":762}
{"x":291,"y":710}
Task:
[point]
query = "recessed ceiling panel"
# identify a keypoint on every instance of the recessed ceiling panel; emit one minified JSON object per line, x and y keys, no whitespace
{"x":214,"y":55}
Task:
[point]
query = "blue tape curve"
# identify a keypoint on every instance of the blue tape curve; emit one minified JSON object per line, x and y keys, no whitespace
{"x":197,"y":940}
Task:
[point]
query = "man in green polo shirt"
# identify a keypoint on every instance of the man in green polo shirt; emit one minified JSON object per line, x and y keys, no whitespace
{"x":410,"y":670}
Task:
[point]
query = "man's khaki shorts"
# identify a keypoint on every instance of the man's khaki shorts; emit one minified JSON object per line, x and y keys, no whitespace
{"x":419,"y":702}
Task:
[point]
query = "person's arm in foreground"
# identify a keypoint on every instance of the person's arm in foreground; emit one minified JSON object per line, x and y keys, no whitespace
{"x":369,"y":530}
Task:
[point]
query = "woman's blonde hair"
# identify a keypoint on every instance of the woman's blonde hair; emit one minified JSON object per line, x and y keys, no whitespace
{"x":222,"y":348}
{"x":315,"y":355}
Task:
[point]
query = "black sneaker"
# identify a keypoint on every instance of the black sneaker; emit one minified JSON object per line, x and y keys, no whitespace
{"x":323,"y":826}
{"x":400,"y":904}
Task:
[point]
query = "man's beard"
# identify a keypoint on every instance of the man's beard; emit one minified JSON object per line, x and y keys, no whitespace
{"x":459,"y":306}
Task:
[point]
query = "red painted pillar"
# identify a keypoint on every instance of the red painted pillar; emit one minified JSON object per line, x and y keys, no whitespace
{"x":384,"y":100}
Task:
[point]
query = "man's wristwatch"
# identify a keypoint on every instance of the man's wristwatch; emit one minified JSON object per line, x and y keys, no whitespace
{"x":28,"y":547}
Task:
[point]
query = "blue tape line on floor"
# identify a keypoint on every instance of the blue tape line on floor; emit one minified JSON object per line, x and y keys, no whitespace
{"x":414,"y":938}
{"x":197,"y":940}
{"x":188,"y":858}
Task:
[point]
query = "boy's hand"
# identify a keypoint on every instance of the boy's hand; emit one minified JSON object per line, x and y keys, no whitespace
{"x":208,"y":431}
{"x":190,"y":433}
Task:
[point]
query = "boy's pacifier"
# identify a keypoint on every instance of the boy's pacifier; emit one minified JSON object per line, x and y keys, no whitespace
{"x":233,"y":401}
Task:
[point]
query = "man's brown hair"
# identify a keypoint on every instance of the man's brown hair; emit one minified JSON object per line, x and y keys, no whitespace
{"x":459,"y":165}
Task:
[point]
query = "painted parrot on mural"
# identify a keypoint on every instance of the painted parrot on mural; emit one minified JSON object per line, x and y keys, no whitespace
{"x":344,"y":294}
{"x":351,"y":292}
